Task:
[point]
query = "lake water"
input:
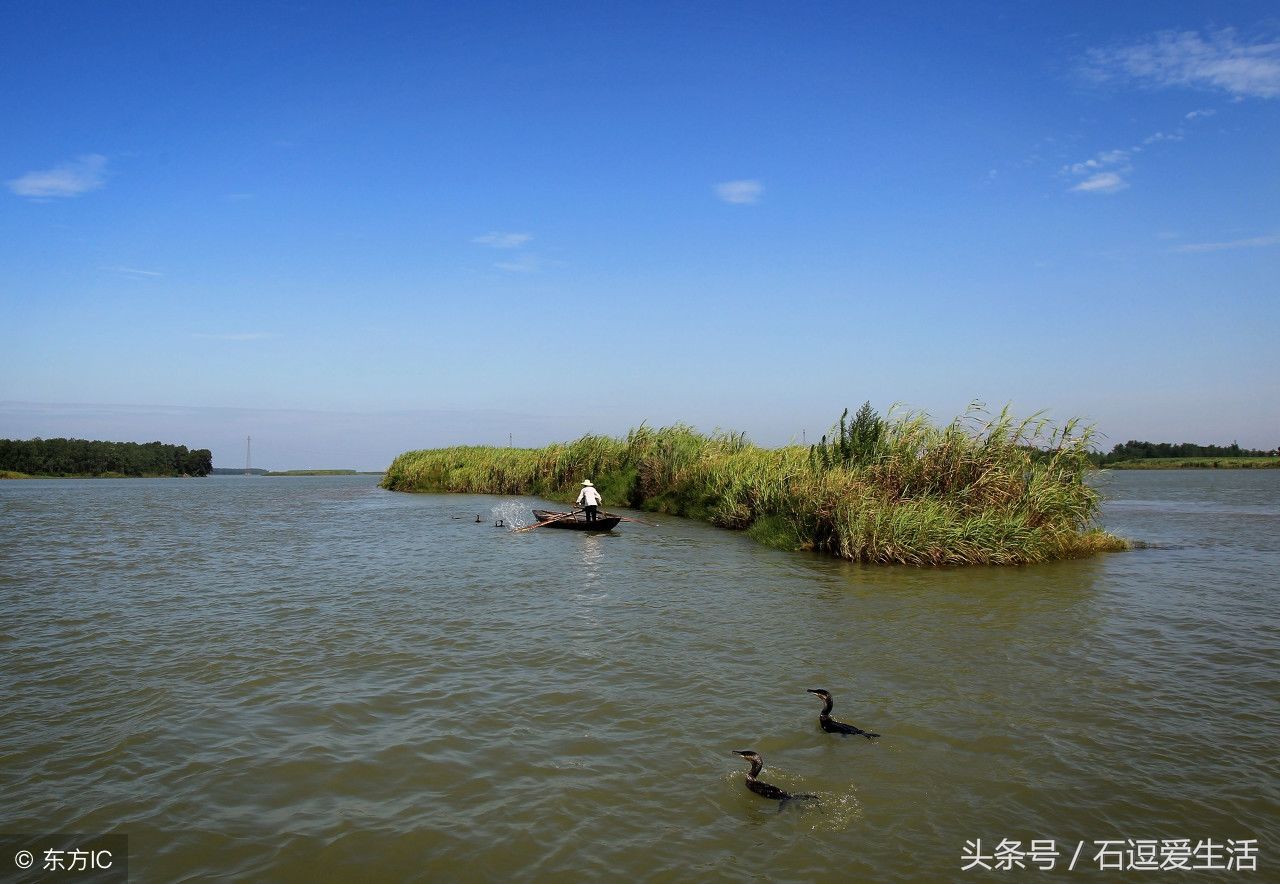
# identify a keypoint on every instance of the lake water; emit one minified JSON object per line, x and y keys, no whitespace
{"x":295,"y":679}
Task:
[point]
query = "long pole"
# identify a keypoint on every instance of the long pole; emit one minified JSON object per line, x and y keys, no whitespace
{"x":248,"y":447}
{"x":546,"y":522}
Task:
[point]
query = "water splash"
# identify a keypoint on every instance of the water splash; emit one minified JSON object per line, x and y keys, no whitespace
{"x":833,"y":811}
{"x":829,"y":810}
{"x":513,"y":514}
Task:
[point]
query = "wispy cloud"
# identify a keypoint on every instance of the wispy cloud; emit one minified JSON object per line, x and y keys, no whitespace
{"x":522,"y":264}
{"x":1254,"y":242}
{"x":742,"y":192}
{"x":236,"y":336}
{"x":1218,"y":60}
{"x":79,"y":176}
{"x":1202,"y":112}
{"x":1102,"y":182}
{"x":134,"y":271}
{"x":1107,"y":158}
{"x":500,"y":240}
{"x":1105,"y":171}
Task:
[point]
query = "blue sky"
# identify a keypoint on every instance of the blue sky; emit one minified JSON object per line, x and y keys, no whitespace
{"x":353,"y":229}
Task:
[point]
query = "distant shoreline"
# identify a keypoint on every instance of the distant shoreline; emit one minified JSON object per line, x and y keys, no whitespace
{"x":12,"y":474}
{"x":323,"y":473}
{"x":1196,"y":463}
{"x":234,"y":471}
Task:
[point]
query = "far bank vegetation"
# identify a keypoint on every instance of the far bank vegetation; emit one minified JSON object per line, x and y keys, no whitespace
{"x":980,"y":490}
{"x":83,"y":457}
{"x":1134,"y":455}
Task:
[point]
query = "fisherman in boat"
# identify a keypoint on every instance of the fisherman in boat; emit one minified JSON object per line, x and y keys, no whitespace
{"x":589,"y":498}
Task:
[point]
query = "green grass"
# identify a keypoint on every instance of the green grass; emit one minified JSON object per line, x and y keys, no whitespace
{"x":1197,"y":463}
{"x":13,"y":474}
{"x":980,"y":490}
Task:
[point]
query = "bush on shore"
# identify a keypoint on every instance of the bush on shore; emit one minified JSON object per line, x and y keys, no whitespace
{"x":981,"y":490}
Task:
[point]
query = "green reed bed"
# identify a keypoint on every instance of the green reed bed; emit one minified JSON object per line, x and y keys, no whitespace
{"x":980,"y":490}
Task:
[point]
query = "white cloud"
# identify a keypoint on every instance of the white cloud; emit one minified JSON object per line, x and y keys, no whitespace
{"x":70,"y":179}
{"x":1103,"y":173}
{"x":742,"y":192}
{"x":1103,"y":160}
{"x":523,"y":264}
{"x":1218,"y":60}
{"x":1255,"y":242}
{"x":498,"y":240}
{"x":133,"y":271}
{"x":1203,"y":112}
{"x":236,"y":336}
{"x":1102,"y":182}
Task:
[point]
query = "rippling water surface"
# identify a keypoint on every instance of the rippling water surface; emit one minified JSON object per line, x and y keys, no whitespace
{"x":302,"y":678}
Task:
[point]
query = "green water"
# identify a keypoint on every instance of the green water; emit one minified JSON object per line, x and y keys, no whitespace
{"x":306,"y":679}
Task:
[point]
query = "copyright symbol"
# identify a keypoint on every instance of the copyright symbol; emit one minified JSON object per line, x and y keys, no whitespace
{"x":23,"y":859}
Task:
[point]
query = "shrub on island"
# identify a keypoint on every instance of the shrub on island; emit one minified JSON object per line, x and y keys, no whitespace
{"x":980,"y":490}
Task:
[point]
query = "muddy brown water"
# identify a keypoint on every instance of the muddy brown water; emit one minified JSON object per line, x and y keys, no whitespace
{"x":294,"y":679}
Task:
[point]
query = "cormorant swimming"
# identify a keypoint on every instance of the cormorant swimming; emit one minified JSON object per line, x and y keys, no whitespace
{"x":766,"y":790}
{"x":830,"y":725}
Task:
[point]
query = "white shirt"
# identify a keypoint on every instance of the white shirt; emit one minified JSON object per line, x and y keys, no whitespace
{"x":589,"y":496}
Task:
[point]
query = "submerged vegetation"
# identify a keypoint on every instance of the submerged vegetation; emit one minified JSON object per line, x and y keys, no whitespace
{"x":980,"y":490}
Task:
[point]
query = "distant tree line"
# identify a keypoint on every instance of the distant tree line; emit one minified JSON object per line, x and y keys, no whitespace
{"x":80,"y":457}
{"x":1133,"y":450}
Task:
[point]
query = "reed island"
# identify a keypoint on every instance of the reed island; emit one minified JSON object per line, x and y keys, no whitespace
{"x":899,"y":489}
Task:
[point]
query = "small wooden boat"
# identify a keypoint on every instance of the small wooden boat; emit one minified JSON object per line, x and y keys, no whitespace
{"x":577,"y":523}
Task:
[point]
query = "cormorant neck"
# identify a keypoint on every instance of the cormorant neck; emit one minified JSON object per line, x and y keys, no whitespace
{"x":826,"y":709}
{"x":756,"y":766}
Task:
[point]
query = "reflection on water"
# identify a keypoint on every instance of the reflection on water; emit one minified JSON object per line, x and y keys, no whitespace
{"x":590,"y":593}
{"x":300,"y":678}
{"x":590,"y":562}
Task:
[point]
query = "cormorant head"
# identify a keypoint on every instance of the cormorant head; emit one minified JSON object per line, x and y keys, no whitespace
{"x":749,"y":754}
{"x":826,"y":695}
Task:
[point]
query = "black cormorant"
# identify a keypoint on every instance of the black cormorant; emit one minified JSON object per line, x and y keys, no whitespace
{"x":830,"y":725}
{"x":766,"y":790}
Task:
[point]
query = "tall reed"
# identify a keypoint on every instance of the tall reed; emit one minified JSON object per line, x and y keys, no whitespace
{"x":983,"y":489}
